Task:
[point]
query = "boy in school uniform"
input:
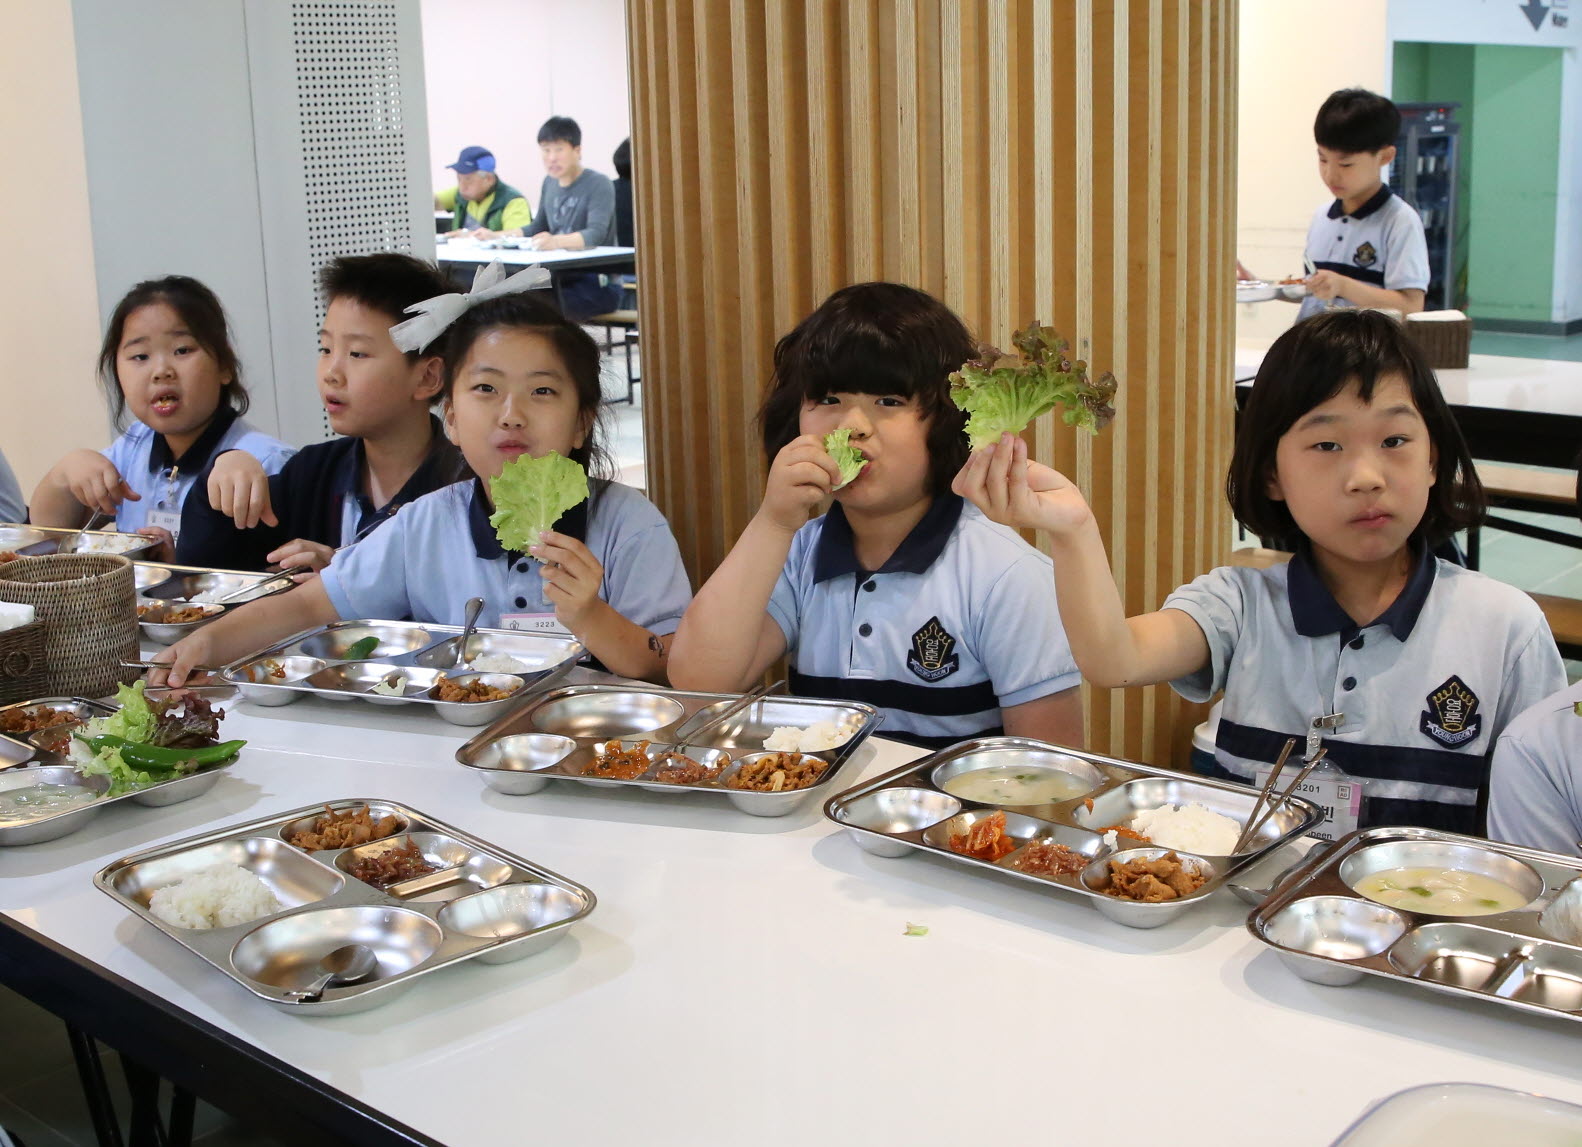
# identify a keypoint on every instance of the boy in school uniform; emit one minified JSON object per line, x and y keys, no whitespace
{"x":1367,"y":247}
{"x":576,"y":210}
{"x":392,"y":450}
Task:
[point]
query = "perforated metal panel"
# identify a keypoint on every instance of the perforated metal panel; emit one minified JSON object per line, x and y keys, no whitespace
{"x":339,"y":100}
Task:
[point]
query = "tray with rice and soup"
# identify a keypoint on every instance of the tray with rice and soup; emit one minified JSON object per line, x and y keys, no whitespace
{"x":1476,"y":918}
{"x":1141,"y":844}
{"x":278,"y":901}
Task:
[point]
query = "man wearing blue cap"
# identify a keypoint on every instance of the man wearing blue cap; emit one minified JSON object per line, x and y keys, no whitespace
{"x":485,"y":205}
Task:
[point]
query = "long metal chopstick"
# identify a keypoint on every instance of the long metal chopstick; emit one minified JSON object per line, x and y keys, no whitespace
{"x":719,"y":722}
{"x":1263,"y":795}
{"x":1290,"y":789}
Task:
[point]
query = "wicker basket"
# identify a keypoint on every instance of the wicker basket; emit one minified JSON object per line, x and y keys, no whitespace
{"x":86,"y":604}
{"x":1446,"y":342}
{"x":23,"y":673}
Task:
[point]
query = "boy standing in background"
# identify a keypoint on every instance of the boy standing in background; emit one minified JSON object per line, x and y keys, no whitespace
{"x":1367,"y":247}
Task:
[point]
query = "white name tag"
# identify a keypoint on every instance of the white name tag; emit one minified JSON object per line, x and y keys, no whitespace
{"x":1336,"y":794}
{"x":165,"y":520}
{"x":534,"y":623}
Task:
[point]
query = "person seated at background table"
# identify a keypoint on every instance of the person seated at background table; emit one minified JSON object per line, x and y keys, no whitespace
{"x":485,"y":205}
{"x":520,"y":379}
{"x":1347,"y":444}
{"x":900,"y":595}
{"x":576,"y":210}
{"x":393,"y":449}
{"x":168,"y":358}
{"x":1367,"y":247}
{"x":12,"y":506}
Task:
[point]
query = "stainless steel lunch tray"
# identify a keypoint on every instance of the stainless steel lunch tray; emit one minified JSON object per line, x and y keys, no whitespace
{"x":485,"y":904}
{"x":907,"y":810}
{"x":180,"y":586}
{"x":316,"y":666}
{"x":41,"y":540}
{"x":559,"y":734}
{"x":1326,"y":932}
{"x":70,"y":820}
{"x":17,"y":748}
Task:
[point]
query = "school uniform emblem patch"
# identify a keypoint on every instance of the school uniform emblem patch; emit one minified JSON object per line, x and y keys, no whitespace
{"x":1452,"y":718}
{"x":1366,"y":255}
{"x":933,"y":656}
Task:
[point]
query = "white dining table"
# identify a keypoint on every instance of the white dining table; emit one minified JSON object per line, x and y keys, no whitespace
{"x":750,"y":980}
{"x":468,"y":250}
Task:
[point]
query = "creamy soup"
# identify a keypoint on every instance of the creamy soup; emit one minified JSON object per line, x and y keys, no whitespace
{"x":1440,"y":891}
{"x":36,"y":802}
{"x":1016,"y":785}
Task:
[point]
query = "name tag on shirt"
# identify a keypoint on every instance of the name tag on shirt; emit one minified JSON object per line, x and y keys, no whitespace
{"x":1337,"y":795}
{"x":545,"y":623}
{"x":166,"y":520}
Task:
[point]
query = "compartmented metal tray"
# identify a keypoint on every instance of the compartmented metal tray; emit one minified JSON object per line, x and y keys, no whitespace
{"x":18,"y":748}
{"x":314,"y":663}
{"x":1325,"y":931}
{"x":37,"y":830}
{"x":37,"y":541}
{"x":562,"y":732}
{"x":178,"y":588}
{"x":483,"y":903}
{"x":909,"y":809}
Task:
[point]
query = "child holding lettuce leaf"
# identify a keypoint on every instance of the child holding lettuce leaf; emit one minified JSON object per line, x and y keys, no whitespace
{"x":901,"y":595}
{"x":521,"y":401}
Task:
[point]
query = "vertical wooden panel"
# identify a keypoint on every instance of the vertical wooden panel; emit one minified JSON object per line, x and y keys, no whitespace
{"x":1021,"y":160}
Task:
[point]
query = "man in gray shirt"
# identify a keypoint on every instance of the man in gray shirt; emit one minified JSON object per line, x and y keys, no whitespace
{"x":576,"y":211}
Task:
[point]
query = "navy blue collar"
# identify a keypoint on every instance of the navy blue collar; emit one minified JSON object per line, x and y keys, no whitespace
{"x":837,"y":551}
{"x":199,"y":453}
{"x":442,"y":462}
{"x":1380,"y":198}
{"x":1315,"y":612}
{"x":573,"y":523}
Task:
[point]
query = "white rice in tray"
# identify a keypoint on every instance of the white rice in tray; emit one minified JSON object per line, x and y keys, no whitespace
{"x":498,"y":663}
{"x":1189,"y":828}
{"x":814,"y":739}
{"x":215,"y":897}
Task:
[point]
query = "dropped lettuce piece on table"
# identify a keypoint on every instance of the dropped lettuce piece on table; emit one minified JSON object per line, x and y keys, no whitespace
{"x":846,"y":456}
{"x":1004,"y":392}
{"x":530,"y":495}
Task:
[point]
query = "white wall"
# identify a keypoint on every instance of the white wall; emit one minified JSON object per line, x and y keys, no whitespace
{"x":1497,"y":22}
{"x":1292,"y":55}
{"x":495,"y":70}
{"x":49,"y":313}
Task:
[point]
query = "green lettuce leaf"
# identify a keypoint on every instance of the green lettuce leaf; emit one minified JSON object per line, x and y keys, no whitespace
{"x":847,"y":457}
{"x":133,"y":721}
{"x":1002,"y":392}
{"x":530,"y":494}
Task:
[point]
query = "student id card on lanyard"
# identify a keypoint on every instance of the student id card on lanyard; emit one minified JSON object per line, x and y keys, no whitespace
{"x":544,"y":623}
{"x":166,"y":511}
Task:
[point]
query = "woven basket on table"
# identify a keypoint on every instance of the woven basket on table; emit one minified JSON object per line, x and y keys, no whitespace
{"x":22,"y":665}
{"x":87,"y":606}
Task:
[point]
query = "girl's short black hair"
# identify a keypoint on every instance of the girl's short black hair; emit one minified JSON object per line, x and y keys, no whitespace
{"x":199,"y":309}
{"x":1306,"y":367}
{"x":576,"y":348}
{"x":875,"y":338}
{"x":386,"y":282}
{"x":1355,"y":119}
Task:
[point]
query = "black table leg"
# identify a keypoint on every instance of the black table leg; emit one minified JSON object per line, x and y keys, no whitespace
{"x":95,"y":1088}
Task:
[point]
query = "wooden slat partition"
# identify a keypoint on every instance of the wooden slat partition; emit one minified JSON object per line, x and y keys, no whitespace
{"x":1070,"y":162}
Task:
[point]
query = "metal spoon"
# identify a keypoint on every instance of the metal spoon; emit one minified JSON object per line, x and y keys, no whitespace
{"x":469,"y":627}
{"x":69,"y":544}
{"x":347,"y":964}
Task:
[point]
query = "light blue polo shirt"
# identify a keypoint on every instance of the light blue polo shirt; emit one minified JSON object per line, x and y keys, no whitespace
{"x":144,"y":460}
{"x":1423,"y":691}
{"x":1535,"y":787}
{"x":959,"y":623}
{"x":1381,"y":243}
{"x":435,"y":553}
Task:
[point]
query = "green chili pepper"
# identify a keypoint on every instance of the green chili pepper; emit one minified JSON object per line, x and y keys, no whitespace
{"x":362,"y":648}
{"x":160,"y":759}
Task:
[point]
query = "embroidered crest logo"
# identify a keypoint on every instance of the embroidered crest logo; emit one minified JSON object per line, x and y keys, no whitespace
{"x":1366,"y":256}
{"x":933,"y":655}
{"x":1452,"y":717}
